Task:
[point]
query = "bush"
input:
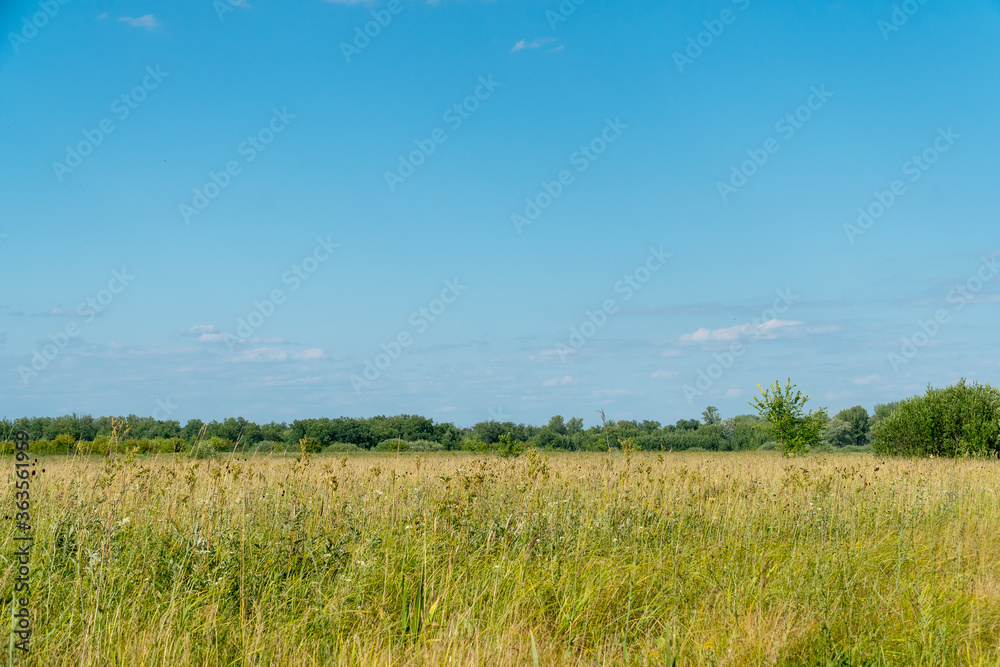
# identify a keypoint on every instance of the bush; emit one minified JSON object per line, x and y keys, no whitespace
{"x":203,"y":450}
{"x":960,"y":420}
{"x":310,"y":445}
{"x":507,"y":448}
{"x":220,"y":444}
{"x":424,"y":446}
{"x":64,"y":443}
{"x":472,"y":445}
{"x":393,"y":445}
{"x":770,"y":446}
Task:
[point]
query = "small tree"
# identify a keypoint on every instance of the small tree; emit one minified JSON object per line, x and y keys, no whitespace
{"x":507,"y":448}
{"x":711,"y":415}
{"x":857,"y":417}
{"x":783,"y":408}
{"x":839,"y":433}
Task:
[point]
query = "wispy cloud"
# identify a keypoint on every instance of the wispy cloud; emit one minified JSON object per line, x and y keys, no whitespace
{"x":147,"y":21}
{"x":868,"y":379}
{"x":554,"y":382}
{"x":310,"y":354}
{"x":765,"y":330}
{"x":534,"y":44}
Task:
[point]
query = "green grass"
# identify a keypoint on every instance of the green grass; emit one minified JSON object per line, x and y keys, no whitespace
{"x":449,"y":558}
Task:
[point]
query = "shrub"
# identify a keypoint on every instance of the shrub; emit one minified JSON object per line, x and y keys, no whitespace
{"x":267,"y":447}
{"x":392,"y":445}
{"x":220,"y":444}
{"x":63,"y":443}
{"x":424,"y":446}
{"x":963,"y":419}
{"x":170,"y":445}
{"x":507,"y":448}
{"x":203,"y":450}
{"x":472,"y":445}
{"x":770,"y":446}
{"x":310,"y":445}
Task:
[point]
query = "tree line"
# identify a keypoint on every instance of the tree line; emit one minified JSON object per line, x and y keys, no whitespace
{"x":963,"y":419}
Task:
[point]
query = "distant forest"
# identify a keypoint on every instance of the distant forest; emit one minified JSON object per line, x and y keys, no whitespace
{"x":409,"y":432}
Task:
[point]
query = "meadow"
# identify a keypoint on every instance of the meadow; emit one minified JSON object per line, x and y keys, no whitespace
{"x":627,"y":558}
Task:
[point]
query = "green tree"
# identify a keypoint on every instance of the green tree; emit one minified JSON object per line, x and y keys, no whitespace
{"x":857,"y":417}
{"x":839,"y":433}
{"x":783,"y":408}
{"x":556,"y":425}
{"x":711,"y":415}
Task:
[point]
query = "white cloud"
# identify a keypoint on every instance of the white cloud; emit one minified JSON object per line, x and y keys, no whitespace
{"x":534,"y":44}
{"x":734,"y":393}
{"x":673,"y":352}
{"x":868,"y":379}
{"x":147,"y":21}
{"x":261,"y":354}
{"x":310,"y":354}
{"x":662,"y":374}
{"x":566,"y":379}
{"x":765,"y":330}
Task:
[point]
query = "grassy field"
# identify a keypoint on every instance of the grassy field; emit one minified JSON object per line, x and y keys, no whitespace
{"x":706,"y":559}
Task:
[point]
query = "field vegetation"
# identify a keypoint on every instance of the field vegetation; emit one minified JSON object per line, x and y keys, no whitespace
{"x":635,"y":558}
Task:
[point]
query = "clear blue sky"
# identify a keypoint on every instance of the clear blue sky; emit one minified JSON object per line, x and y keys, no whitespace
{"x":643,"y":125}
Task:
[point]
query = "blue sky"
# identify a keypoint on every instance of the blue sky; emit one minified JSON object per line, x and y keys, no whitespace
{"x":697,"y":169}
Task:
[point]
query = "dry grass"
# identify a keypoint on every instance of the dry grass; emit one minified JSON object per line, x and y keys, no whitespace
{"x":720,"y":559}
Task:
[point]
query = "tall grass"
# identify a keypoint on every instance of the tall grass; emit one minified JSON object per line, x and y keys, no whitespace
{"x":446,"y":558}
